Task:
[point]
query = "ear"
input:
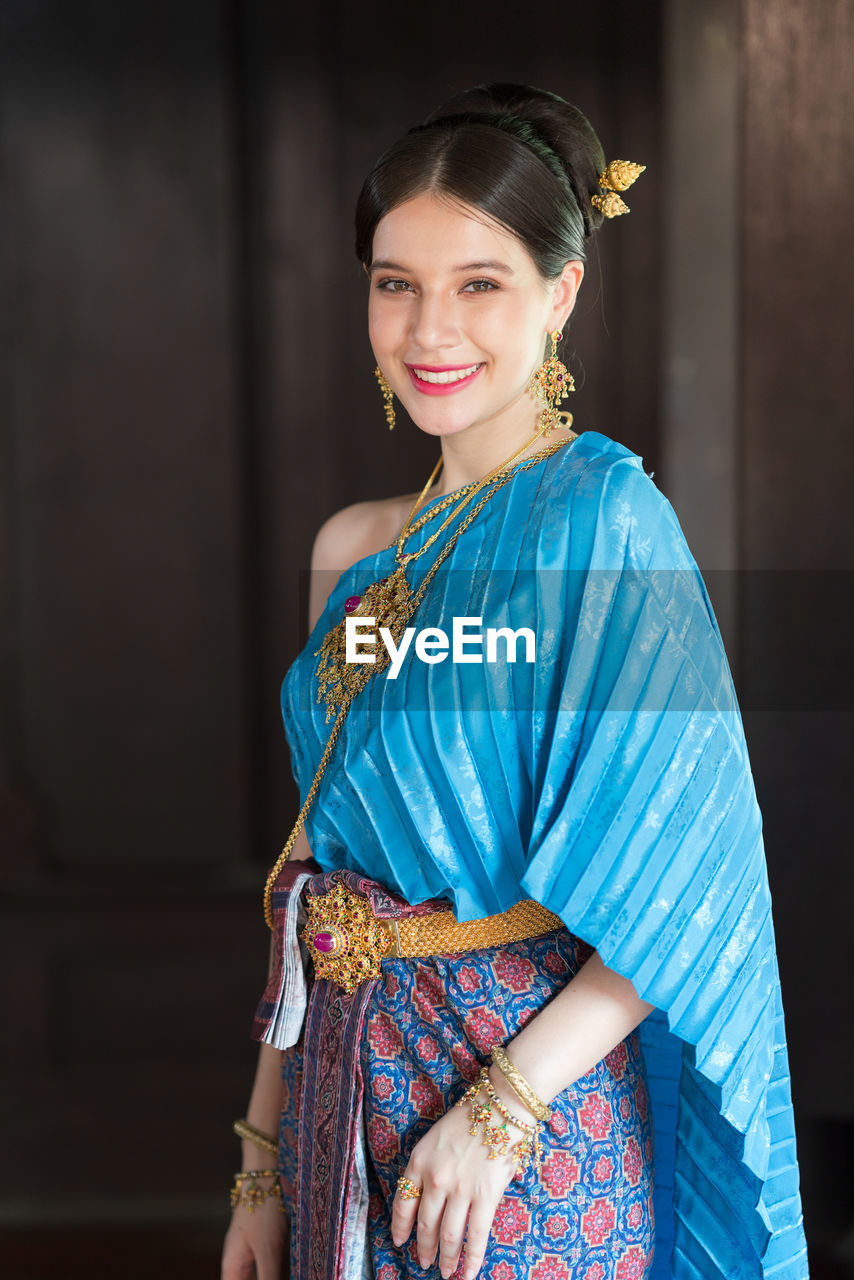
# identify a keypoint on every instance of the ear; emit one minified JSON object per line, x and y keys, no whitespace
{"x":566,"y":291}
{"x":366,"y":269}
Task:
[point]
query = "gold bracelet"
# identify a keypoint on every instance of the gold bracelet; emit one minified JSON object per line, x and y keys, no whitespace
{"x":244,"y":1129}
{"x":498,"y":1138}
{"x":532,"y":1131}
{"x":519,"y":1084}
{"x":250,"y":1197}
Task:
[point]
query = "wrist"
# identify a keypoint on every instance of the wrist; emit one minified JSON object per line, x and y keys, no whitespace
{"x":527,"y":1091}
{"x":509,"y":1098}
{"x":511,"y":1134}
{"x":254,"y":1187}
{"x":255,"y":1157}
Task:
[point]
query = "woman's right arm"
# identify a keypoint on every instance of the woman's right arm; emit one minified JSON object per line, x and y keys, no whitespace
{"x":255,"y":1242}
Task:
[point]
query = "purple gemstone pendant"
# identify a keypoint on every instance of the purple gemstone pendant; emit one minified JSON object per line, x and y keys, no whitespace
{"x":329,"y":941}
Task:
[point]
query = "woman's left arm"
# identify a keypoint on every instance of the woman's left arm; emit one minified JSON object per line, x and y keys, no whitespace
{"x":591,"y":1015}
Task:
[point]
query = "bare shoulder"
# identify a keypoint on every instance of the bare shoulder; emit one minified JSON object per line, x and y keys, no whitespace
{"x":351,"y":534}
{"x":357,"y":531}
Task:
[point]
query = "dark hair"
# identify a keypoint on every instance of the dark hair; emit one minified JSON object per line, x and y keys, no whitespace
{"x":523,"y":156}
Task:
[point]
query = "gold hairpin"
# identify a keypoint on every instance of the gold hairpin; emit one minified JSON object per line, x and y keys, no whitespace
{"x":618,"y":176}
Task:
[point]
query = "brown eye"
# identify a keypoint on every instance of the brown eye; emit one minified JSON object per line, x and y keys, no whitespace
{"x":394,"y":286}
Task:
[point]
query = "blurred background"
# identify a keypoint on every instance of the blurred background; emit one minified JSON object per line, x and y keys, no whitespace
{"x":187,"y":392}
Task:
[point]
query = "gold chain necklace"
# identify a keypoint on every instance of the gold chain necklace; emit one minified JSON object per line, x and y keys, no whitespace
{"x":566,"y":421}
{"x":390,"y":601}
{"x":366,"y":670}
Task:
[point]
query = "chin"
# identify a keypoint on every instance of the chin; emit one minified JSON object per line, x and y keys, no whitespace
{"x":441,"y":420}
{"x":441,"y":427}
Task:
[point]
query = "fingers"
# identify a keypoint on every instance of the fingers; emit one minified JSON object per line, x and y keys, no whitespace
{"x":480,"y":1225}
{"x":429,"y":1213}
{"x":268,"y":1266}
{"x":430,"y":1216}
{"x":238,"y":1262}
{"x":451,"y":1231}
{"x":255,"y":1244}
{"x":441,"y":1217}
{"x":403,"y":1213}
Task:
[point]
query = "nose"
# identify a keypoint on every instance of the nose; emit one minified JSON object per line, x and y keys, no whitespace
{"x":434,"y":322}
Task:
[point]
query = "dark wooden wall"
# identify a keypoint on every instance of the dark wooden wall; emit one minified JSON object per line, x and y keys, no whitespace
{"x":798,"y":466}
{"x":757,"y":453}
{"x":130,"y":954}
{"x":797,"y":463}
{"x":187,"y":392}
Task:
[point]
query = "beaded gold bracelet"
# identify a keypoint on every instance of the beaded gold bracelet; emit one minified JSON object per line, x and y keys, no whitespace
{"x":250,"y":1197}
{"x":498,"y":1137}
{"x":519,"y":1084}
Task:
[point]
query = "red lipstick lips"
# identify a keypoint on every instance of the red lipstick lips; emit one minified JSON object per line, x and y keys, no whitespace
{"x":439,"y":386}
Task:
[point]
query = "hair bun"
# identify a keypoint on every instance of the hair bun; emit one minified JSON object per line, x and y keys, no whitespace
{"x":565,"y":130}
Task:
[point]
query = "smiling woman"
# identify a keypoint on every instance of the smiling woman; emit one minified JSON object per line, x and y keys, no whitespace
{"x":523,"y":1019}
{"x":464,"y":310}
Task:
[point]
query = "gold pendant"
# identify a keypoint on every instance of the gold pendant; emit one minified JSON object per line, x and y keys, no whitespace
{"x":345,"y":939}
{"x":392,"y":603}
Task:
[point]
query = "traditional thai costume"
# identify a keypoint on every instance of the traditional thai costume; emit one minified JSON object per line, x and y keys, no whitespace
{"x":609,"y":781}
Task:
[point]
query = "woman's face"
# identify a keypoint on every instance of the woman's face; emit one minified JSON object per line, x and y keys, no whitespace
{"x":459,"y":316}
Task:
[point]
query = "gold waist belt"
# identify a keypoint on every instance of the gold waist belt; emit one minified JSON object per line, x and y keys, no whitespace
{"x":348,"y":943}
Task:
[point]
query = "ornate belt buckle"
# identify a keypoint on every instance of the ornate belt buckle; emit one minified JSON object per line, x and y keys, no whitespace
{"x":345,"y":939}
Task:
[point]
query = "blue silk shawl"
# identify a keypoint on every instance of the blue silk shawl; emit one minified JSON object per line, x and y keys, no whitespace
{"x":610,"y":781}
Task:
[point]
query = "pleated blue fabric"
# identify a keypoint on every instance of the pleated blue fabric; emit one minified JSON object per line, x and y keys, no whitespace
{"x":610,"y":780}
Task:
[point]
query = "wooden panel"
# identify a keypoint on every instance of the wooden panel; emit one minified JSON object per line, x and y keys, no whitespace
{"x":798,"y":473}
{"x":126,"y":986}
{"x":798,"y":182}
{"x":169,"y":1251}
{"x":700,"y":216}
{"x":122,"y":421}
{"x":125,"y":1047}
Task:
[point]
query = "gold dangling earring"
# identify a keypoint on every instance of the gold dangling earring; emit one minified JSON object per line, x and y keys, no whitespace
{"x":552,"y":383}
{"x":388,"y":397}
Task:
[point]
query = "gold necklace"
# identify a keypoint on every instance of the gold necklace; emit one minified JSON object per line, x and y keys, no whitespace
{"x":390,"y":601}
{"x":566,"y":421}
{"x":364,"y":671}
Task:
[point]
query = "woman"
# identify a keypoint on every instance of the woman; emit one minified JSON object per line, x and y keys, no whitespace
{"x":583,"y":805}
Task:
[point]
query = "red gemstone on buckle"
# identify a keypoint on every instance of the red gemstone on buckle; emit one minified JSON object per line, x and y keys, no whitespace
{"x":330,"y":941}
{"x":346,"y":941}
{"x":351,"y":603}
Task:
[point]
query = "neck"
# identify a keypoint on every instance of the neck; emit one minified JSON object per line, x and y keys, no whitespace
{"x":470,"y":455}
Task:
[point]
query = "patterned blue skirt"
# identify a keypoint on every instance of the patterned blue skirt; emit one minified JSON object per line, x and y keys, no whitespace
{"x":587,"y":1213}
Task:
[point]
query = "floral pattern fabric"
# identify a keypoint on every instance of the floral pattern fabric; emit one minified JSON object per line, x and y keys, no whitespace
{"x":587,"y":1214}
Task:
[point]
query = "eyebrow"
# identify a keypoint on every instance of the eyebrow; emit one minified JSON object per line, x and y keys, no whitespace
{"x":487,"y":265}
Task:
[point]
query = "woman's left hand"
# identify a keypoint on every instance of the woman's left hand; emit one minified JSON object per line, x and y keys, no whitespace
{"x":460,"y":1182}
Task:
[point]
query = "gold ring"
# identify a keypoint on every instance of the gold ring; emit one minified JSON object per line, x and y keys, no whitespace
{"x":407,"y":1189}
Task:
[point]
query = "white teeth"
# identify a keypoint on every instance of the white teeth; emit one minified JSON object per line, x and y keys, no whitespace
{"x":447,"y":375}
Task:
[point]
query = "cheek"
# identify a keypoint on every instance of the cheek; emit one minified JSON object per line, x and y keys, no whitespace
{"x":516,"y":337}
{"x":386,"y":321}
{"x":513,"y":325}
{"x":374,"y":326}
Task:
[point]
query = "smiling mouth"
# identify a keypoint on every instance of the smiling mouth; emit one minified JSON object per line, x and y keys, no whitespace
{"x":443,"y":376}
